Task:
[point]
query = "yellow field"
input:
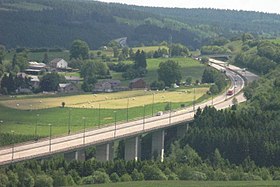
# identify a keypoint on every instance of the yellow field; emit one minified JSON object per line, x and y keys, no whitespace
{"x":117,"y":100}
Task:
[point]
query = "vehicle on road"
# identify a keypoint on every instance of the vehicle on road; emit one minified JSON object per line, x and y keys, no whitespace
{"x":230,"y":92}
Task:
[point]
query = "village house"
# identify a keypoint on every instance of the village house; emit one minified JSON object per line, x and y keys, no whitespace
{"x":59,"y":64}
{"x":34,"y":80}
{"x":107,"y":86}
{"x":137,"y":83}
{"x":68,"y":88}
{"x":35,"y":68}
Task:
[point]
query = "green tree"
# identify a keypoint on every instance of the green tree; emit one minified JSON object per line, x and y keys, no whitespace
{"x":3,"y":180}
{"x":50,"y":82}
{"x":131,"y":54}
{"x":79,"y":50}
{"x":114,"y":177}
{"x":178,"y":50}
{"x":247,"y":36}
{"x":13,"y":179}
{"x":204,"y":60}
{"x":214,"y":89}
{"x":169,"y":72}
{"x":26,"y":179}
{"x":116,"y":52}
{"x":93,"y":68}
{"x":43,"y":181}
{"x":126,"y":178}
{"x":59,"y":178}
{"x":125,"y":52}
{"x":1,"y":70}
{"x":157,"y":85}
{"x":87,"y":180}
{"x":136,"y":175}
{"x":152,"y":172}
{"x":140,"y":59}
{"x":46,"y":58}
{"x":100,"y":177}
{"x":189,"y":81}
{"x":2,"y":53}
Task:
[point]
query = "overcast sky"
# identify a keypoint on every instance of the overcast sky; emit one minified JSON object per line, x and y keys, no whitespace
{"x":271,"y":6}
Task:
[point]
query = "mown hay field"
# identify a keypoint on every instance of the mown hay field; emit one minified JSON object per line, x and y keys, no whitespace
{"x":118,"y":100}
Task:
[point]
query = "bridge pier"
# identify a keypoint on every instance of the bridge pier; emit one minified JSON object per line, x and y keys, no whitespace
{"x":78,"y":155}
{"x":158,"y":144}
{"x":132,"y":148}
{"x":104,"y":152}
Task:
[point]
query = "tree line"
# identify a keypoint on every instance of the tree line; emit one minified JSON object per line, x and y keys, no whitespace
{"x":260,"y":56}
{"x":183,"y":163}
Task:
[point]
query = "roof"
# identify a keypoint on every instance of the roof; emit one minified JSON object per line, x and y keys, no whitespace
{"x":34,"y":78}
{"x":33,"y":70}
{"x":56,"y":60}
{"x":73,"y":78}
{"x":111,"y":81}
{"x":135,"y":80}
{"x":37,"y":64}
{"x":63,"y":85}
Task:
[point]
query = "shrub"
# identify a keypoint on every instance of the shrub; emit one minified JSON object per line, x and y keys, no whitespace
{"x":43,"y":181}
{"x":153,"y":173}
{"x":114,"y":177}
{"x":198,"y":176}
{"x":126,"y":178}
{"x":88,"y":180}
{"x":136,"y":175}
{"x":100,"y":177}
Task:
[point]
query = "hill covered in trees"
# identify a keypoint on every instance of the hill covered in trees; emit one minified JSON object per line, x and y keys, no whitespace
{"x":56,"y":23}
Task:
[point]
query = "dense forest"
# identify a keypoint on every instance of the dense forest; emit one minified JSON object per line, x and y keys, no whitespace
{"x":54,"y":23}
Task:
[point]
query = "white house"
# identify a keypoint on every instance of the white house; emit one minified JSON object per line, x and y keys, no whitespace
{"x":59,"y":63}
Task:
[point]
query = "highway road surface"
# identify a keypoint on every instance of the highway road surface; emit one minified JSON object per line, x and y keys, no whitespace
{"x":51,"y":146}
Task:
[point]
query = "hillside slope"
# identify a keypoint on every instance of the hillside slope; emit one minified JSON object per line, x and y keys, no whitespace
{"x":56,"y":23}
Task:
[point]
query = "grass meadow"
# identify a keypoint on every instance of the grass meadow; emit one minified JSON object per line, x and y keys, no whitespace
{"x":24,"y":114}
{"x":189,"y":67}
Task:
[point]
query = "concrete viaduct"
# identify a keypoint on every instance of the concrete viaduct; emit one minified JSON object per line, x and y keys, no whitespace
{"x":103,"y":139}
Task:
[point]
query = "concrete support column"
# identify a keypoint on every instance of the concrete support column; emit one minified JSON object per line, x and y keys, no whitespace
{"x":158,"y":144}
{"x":75,"y":155}
{"x":132,"y":148}
{"x":104,"y":152}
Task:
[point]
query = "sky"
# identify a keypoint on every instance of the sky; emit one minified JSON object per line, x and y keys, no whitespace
{"x":270,"y":6}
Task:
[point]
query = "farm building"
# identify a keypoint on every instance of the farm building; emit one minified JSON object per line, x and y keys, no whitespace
{"x":36,"y":65}
{"x":59,"y":64}
{"x":68,"y":88}
{"x":34,"y":80}
{"x":35,"y":68}
{"x":137,"y":83}
{"x":107,"y":86}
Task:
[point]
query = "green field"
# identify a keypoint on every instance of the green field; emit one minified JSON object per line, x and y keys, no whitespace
{"x":116,"y":100}
{"x":189,"y":67}
{"x":23,"y":117}
{"x":276,"y":41}
{"x":192,"y":184}
{"x":109,"y":52}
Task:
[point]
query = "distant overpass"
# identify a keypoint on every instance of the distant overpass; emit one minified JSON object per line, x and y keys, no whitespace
{"x":103,"y":138}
